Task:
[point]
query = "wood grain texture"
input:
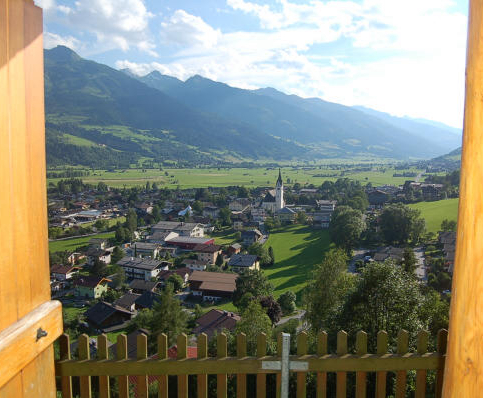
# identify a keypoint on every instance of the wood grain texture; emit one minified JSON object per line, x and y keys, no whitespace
{"x":142,"y":353}
{"x":261,"y":378}
{"x":341,"y":378}
{"x":162,"y":354}
{"x":201,"y":379}
{"x":301,"y":376}
{"x":464,"y":364}
{"x":361,"y":349}
{"x":103,"y":353}
{"x":182,"y":342}
{"x":321,"y":376}
{"x":221,"y":352}
{"x":241,"y":378}
{"x":401,"y":376}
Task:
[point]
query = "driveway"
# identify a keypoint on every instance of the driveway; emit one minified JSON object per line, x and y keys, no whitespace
{"x":421,"y":271}
{"x":358,"y":255}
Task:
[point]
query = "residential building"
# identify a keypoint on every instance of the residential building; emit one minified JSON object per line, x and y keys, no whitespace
{"x":184,"y":273}
{"x":211,"y":211}
{"x":181,"y":228}
{"x":239,"y":204}
{"x":243,"y":262}
{"x":105,"y":315}
{"x":63,"y":272}
{"x":142,"y":268}
{"x":91,"y":287}
{"x":235,"y":248}
{"x":188,"y":243}
{"x":98,"y":243}
{"x":127,"y":301}
{"x":147,"y":300}
{"x":251,"y":236}
{"x":145,"y":249}
{"x":389,"y":252}
{"x":207,"y":253}
{"x":194,"y":265}
{"x":212,"y":286}
{"x":286,"y":214}
{"x":140,"y":286}
{"x":215,"y":321}
{"x":238,"y":225}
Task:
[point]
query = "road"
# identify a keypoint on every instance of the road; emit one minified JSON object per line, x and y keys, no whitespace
{"x":421,"y":267}
{"x":298,"y":315}
{"x":358,"y":255}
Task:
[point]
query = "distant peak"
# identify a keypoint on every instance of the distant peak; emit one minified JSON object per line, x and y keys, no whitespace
{"x":63,"y":53}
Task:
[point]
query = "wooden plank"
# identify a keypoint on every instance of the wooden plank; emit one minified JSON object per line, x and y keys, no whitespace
{"x":381,"y":376}
{"x":401,"y":376}
{"x":464,"y":365}
{"x":19,"y":344}
{"x":84,"y":353}
{"x":182,"y":342}
{"x":162,"y":354}
{"x":361,"y":349}
{"x":202,"y":379}
{"x":221,"y":353}
{"x":301,"y":376}
{"x":441,"y":349}
{"x":341,"y":388}
{"x":261,"y":378}
{"x":279,"y":375}
{"x":423,"y":338}
{"x":65,"y":381}
{"x":121,"y":356}
{"x":241,"y":378}
{"x":103,"y":353}
{"x":141,"y":354}
{"x":321,"y":376}
{"x":38,"y":377}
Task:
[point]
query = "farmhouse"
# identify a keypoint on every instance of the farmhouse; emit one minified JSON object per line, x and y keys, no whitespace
{"x":215,"y":321}
{"x":242,"y":262}
{"x":104,"y":315}
{"x":212,"y":286}
{"x":189,"y":243}
{"x":251,"y":236}
{"x":63,"y":272}
{"x":140,"y":286}
{"x":207,"y":253}
{"x":142,"y":268}
{"x":90,"y":286}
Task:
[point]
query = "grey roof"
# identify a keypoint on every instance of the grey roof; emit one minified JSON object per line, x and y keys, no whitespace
{"x":148,"y":299}
{"x":127,"y":300}
{"x":140,"y":263}
{"x":102,"y":310}
{"x":242,"y":260}
{"x":146,"y":246}
{"x":269,"y":198}
{"x":175,"y":226}
{"x":140,"y":284}
{"x":285,"y":210}
{"x":251,"y":233}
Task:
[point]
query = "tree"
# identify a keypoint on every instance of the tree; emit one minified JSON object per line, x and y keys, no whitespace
{"x":253,"y":282}
{"x":117,"y":254}
{"x":328,"y":289}
{"x":346,"y":227}
{"x":219,"y":260}
{"x":271,"y":255}
{"x":385,"y":298}
{"x":408,"y":262}
{"x":225,"y":216}
{"x":99,"y":268}
{"x":301,"y":217}
{"x":287,"y":302}
{"x":272,"y":307}
{"x":448,"y":225}
{"x":176,"y":281}
{"x":101,"y":225}
{"x":156,"y":213}
{"x":261,"y":252}
{"x":119,"y":277}
{"x":400,"y":223}
{"x":242,"y":192}
{"x":254,"y":321}
{"x":120,"y":235}
{"x":131,"y":220}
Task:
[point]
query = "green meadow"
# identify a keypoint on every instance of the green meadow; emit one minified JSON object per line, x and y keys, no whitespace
{"x":435,"y":212}
{"x":253,"y":177}
{"x":73,"y":243}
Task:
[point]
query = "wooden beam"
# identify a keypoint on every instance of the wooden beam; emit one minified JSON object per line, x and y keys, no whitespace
{"x":21,"y":342}
{"x":464,"y":364}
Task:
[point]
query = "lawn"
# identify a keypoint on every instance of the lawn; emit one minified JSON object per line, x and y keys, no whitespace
{"x":435,"y":212}
{"x":74,"y":243}
{"x":297,"y":249}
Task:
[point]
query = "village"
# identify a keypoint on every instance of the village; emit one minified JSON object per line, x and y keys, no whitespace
{"x":205,"y":246}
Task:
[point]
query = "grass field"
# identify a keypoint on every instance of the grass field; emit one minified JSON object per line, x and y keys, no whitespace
{"x":435,"y":212}
{"x":297,"y":249}
{"x":72,"y":244}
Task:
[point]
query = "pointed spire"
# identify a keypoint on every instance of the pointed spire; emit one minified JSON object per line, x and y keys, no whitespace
{"x":279,"y":180}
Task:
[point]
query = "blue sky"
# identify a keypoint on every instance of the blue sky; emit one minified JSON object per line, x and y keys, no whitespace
{"x":401,"y":57}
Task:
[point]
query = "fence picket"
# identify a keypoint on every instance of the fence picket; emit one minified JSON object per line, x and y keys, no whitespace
{"x":84,"y":353}
{"x":241,"y":379}
{"x":341,"y":390}
{"x":103,"y":353}
{"x":301,"y":376}
{"x":321,"y":376}
{"x":122,"y":354}
{"x":401,"y":376}
{"x":261,"y":377}
{"x":142,"y":353}
{"x":381,"y":376}
{"x":162,"y":354}
{"x":202,"y":380}
{"x":279,"y":375}
{"x":65,"y":381}
{"x":423,"y":337}
{"x":441,"y":350}
{"x":361,"y":349}
{"x":182,"y":347}
{"x":221,"y":353}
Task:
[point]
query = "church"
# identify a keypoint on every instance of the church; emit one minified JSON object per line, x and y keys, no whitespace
{"x":273,"y":200}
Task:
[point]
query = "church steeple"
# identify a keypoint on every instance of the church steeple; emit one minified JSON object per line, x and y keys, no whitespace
{"x":279,"y":179}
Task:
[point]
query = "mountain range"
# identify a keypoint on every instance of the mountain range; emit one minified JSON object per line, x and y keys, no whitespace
{"x":101,"y":117}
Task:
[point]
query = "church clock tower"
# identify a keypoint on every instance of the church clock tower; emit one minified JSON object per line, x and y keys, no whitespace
{"x":279,"y":203}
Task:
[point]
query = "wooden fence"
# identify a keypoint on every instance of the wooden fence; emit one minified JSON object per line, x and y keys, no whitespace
{"x":320,"y":363}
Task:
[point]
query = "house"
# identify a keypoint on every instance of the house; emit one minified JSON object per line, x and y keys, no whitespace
{"x":242,"y":262}
{"x":63,"y":272}
{"x":95,"y":254}
{"x":211,"y":211}
{"x":75,"y":258}
{"x":188,"y":211}
{"x":389,"y":252}
{"x":144,"y":208}
{"x":127,"y":301}
{"x":194,"y":265}
{"x":448,"y":240}
{"x":327,"y":206}
{"x":238,"y":225}
{"x":181,"y":228}
{"x":239,"y":204}
{"x":215,"y":321}
{"x":235,"y":248}
{"x":161,"y":237}
{"x":140,"y":286}
{"x":447,"y":237}
{"x":212,"y":286}
{"x":88,"y":215}
{"x":321,"y":220}
{"x":207,"y":253}
{"x":105,"y":315}
{"x":286,"y":214}
{"x":98,"y":243}
{"x":188,"y":243}
{"x":377,"y":197}
{"x":142,"y":268}
{"x":90,"y":286}
{"x":147,"y":300}
{"x":258,"y":214}
{"x":145,"y":249}
{"x":184,"y":273}
{"x":251,"y":236}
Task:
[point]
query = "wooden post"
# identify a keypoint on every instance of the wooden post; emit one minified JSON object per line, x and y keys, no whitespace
{"x":24,"y":263}
{"x":464,"y":364}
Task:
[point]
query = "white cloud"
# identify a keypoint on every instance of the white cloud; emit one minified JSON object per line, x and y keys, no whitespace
{"x":188,"y":30}
{"x":52,"y":40}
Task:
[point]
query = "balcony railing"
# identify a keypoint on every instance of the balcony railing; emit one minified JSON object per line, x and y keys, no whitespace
{"x":321,"y":363}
